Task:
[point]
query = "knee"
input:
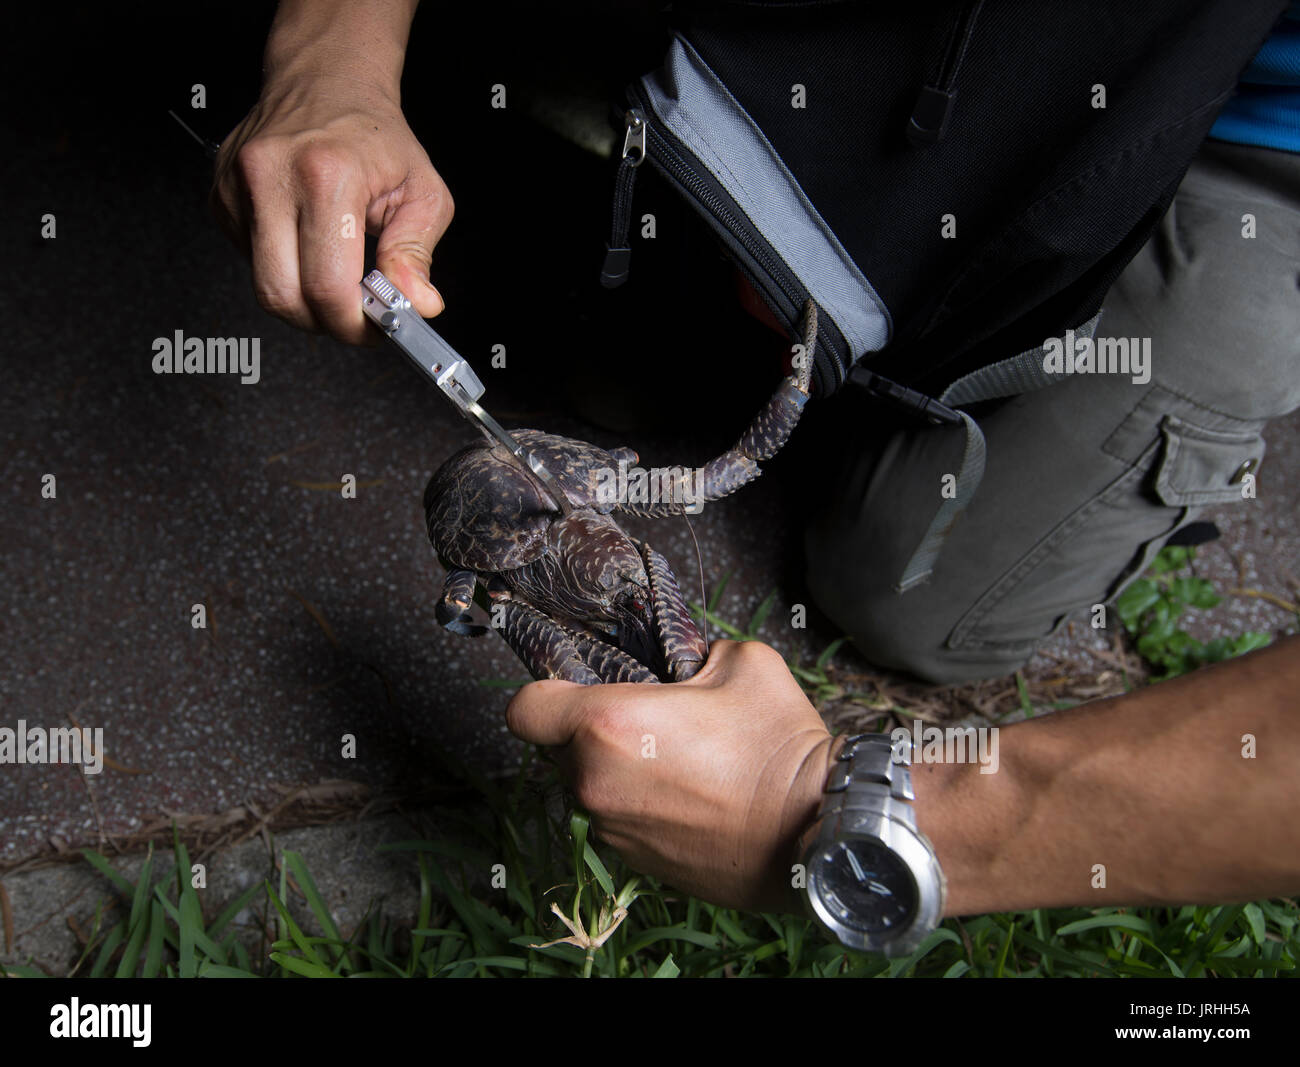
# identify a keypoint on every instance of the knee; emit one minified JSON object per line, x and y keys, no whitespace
{"x":907,"y":632}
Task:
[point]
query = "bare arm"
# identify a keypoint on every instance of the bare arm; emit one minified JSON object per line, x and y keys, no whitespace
{"x":1153,"y":785}
{"x":324,"y":157}
{"x":364,"y":40}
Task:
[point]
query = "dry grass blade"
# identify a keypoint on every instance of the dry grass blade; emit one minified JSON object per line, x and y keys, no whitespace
{"x":280,"y":457}
{"x":107,"y":759}
{"x":336,"y":487}
{"x":316,"y":614}
{"x":1272,"y":598}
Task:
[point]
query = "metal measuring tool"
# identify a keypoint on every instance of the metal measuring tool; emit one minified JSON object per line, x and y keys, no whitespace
{"x":386,"y":306}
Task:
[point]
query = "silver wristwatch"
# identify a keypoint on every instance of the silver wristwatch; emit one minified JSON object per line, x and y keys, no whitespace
{"x":872,"y":877}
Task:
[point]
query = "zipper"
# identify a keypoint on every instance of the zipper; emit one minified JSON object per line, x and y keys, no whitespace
{"x":771,"y":278}
{"x":933,"y":108}
{"x":618,"y":251}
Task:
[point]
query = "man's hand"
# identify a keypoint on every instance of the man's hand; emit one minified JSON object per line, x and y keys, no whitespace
{"x":324,"y":158}
{"x":1182,"y":792}
{"x":706,"y":784}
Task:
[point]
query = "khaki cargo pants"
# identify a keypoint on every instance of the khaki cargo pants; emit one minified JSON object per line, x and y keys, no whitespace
{"x":1086,"y":479}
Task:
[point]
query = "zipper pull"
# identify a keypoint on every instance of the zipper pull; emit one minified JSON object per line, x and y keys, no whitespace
{"x":618,"y":253}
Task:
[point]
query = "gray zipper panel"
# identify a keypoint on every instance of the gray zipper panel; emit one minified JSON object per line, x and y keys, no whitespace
{"x":691,"y":103}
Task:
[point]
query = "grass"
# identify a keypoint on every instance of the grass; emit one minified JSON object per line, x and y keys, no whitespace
{"x":621,"y":925}
{"x":1151,"y":608}
{"x":521,"y":891}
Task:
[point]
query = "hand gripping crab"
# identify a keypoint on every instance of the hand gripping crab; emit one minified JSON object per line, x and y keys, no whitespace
{"x":573,"y":595}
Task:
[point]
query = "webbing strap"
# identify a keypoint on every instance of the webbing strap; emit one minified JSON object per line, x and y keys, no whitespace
{"x":1009,"y":377}
{"x":968,"y":480}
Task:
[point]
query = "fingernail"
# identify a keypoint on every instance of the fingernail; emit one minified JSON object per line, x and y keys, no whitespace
{"x":442,"y":304}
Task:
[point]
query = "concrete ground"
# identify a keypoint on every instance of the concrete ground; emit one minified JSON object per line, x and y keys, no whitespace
{"x":173,"y":491}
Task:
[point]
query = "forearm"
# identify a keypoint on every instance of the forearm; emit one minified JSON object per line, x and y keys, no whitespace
{"x":1153,"y":786}
{"x":362,"y":40}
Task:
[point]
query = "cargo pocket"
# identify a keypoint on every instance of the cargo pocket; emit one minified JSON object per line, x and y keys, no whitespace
{"x":1203,"y":466}
{"x":1093,"y":554}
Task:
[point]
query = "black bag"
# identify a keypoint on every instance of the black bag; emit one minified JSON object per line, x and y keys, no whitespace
{"x":952,"y":183}
{"x":913,"y":112}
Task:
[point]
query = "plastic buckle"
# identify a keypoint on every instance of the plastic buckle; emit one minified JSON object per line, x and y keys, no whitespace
{"x":900,"y":395}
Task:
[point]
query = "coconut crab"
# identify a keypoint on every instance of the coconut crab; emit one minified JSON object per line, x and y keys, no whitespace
{"x":573,"y":595}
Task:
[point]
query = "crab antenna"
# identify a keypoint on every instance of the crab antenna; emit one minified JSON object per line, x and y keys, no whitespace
{"x":704,"y":595}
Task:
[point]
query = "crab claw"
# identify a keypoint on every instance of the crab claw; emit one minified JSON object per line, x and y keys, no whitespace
{"x":452,"y":610}
{"x":459,"y":623}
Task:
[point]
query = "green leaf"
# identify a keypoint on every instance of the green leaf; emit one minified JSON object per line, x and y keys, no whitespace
{"x":232,"y":909}
{"x":303,"y":877}
{"x":1202,"y":594}
{"x":716,"y":598}
{"x":731,"y":929}
{"x":157,"y":927}
{"x":1136,"y":599}
{"x":1061,"y":955}
{"x":426,"y":909}
{"x":764,"y":952}
{"x":1106,"y":922}
{"x":509,"y":963}
{"x":216,"y":970}
{"x":670,"y":933}
{"x":102,"y":865}
{"x":579,"y":824}
{"x":140,"y":900}
{"x":1023,"y":690}
{"x":131,"y":954}
{"x":111,"y":942}
{"x":1251,"y":640}
{"x":138,"y":922}
{"x":933,"y":940}
{"x":667,"y":969}
{"x":303,"y":967}
{"x":299,"y":939}
{"x":200,"y":939}
{"x":191,"y":927}
{"x":760,"y":615}
{"x":998,"y":968}
{"x":1171,"y":558}
{"x":1204,"y":946}
{"x":241,"y":958}
{"x":830,"y":651}
{"x":597,"y":868}
{"x":479,"y":919}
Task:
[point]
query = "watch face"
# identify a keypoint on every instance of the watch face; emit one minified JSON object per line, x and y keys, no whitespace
{"x":867,"y":887}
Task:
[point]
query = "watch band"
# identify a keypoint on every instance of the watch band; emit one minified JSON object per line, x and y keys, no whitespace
{"x":868,"y":797}
{"x":868,"y":760}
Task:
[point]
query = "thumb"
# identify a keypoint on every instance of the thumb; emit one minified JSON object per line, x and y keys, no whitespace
{"x":546,"y":712}
{"x":405,"y":250}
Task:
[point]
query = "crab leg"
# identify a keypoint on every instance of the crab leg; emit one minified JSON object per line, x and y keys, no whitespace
{"x":766,"y":436}
{"x":683,"y":648}
{"x":550,"y":650}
